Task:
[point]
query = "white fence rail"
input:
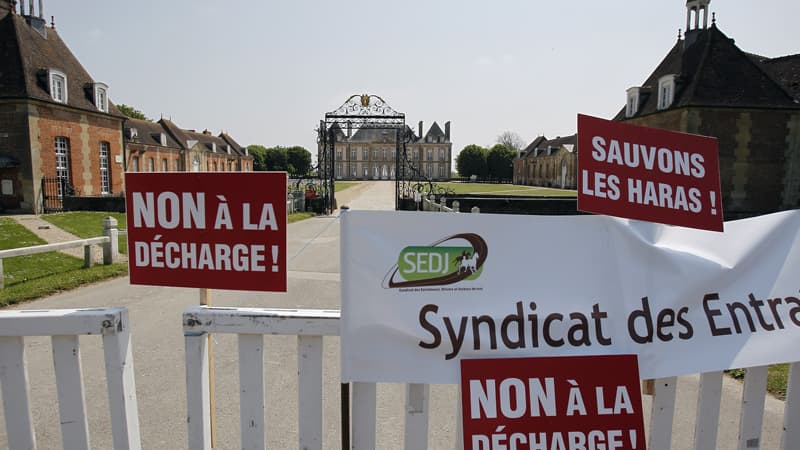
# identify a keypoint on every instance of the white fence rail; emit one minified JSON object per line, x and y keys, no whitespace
{"x":64,"y":327}
{"x":310,"y":325}
{"x":109,"y":242}
{"x":251,"y":325}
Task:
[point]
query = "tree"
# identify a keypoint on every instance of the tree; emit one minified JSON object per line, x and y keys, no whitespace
{"x":471,"y":160}
{"x":511,"y":140}
{"x":500,"y":162}
{"x":298,"y":160}
{"x":259,"y":153}
{"x":132,"y":112}
{"x":275,"y":158}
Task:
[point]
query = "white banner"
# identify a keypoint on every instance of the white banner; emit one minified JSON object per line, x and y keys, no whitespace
{"x":422,"y":290}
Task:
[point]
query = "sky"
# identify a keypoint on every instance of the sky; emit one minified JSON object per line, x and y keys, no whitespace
{"x":266,"y":72}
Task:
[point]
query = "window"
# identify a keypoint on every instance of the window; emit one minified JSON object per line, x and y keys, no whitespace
{"x":429,"y":156}
{"x":416,"y":154}
{"x":632,"y":106}
{"x":150,"y":165}
{"x":366,"y":155}
{"x":666,"y":91}
{"x":353,"y":155}
{"x":338,"y":155}
{"x":215,"y":167}
{"x":442,"y":171}
{"x":101,"y":96}
{"x":58,"y":85}
{"x":441,"y":154}
{"x":135,"y":164}
{"x":164,"y":165}
{"x":394,"y":154}
{"x":105,"y":173}
{"x":62,"y":164}
{"x":375,"y":154}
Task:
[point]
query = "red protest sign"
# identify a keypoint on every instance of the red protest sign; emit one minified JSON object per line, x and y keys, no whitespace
{"x":648,"y":174}
{"x":569,"y":402}
{"x":207,"y":230}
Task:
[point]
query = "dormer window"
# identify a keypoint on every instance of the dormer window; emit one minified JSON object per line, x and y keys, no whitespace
{"x":632,"y":106}
{"x":666,"y":91}
{"x":163,"y":139}
{"x":101,"y":96}
{"x":58,"y":85}
{"x":228,"y":148}
{"x":214,"y":147}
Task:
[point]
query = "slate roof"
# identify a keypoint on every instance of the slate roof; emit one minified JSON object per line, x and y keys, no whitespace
{"x":785,"y":70}
{"x":713,"y":72}
{"x":540,"y":145}
{"x":149,"y":133}
{"x":369,"y":135}
{"x":25,"y":56}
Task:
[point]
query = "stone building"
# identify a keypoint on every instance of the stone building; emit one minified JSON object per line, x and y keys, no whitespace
{"x":707,"y":85}
{"x":549,"y":163}
{"x":56,"y":122}
{"x":370,"y":154}
{"x":164,"y":147}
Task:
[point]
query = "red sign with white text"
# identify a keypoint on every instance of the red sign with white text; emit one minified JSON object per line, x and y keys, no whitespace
{"x":207,"y":230}
{"x":648,"y":174}
{"x":567,"y":402}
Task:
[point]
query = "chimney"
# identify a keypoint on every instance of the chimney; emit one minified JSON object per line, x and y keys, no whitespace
{"x":420,"y":129}
{"x":349,"y":128}
{"x":447,"y":131}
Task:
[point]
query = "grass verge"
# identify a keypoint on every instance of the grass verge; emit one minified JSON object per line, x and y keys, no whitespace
{"x":507,"y":189}
{"x":88,"y":224}
{"x":33,"y":276}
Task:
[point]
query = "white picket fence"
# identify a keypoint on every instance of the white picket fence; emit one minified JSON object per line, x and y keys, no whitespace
{"x":310,"y":326}
{"x":64,"y":327}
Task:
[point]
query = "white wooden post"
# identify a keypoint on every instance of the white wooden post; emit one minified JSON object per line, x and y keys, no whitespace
{"x":755,"y":390}
{"x":708,"y":404}
{"x":364,"y":416}
{"x":416,"y":431}
{"x":14,"y":384}
{"x":456,"y":206}
{"x":111,"y":248}
{"x":309,"y":395}
{"x":198,"y":403}
{"x":121,"y":385}
{"x":251,"y":390}
{"x":791,"y":413}
{"x":2,"y":275}
{"x":475,"y":210}
{"x":71,"y":398}
{"x":663,"y":414}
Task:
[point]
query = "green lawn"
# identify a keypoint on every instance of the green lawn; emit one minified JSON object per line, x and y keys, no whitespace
{"x":88,"y":224}
{"x":342,"y":185}
{"x":777,"y":379}
{"x":507,"y":189}
{"x":34,"y":276}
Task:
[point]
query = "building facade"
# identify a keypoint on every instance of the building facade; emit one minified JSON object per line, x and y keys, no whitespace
{"x":370,"y":153}
{"x":56,"y":122}
{"x":707,"y":85}
{"x":164,"y":147}
{"x":549,"y":163}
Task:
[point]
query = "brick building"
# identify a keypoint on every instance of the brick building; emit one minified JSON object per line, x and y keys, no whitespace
{"x":707,"y":85}
{"x":56,"y":122}
{"x":164,"y":147}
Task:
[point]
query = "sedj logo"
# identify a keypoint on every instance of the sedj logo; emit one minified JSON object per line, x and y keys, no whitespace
{"x":447,"y":261}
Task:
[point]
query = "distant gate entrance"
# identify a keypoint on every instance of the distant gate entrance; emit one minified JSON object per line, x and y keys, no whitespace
{"x":365,"y":138}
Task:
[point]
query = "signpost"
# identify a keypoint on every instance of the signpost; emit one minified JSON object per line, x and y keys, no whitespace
{"x":576,"y":402}
{"x":648,"y":174}
{"x":223,"y":230}
{"x":210,"y":230}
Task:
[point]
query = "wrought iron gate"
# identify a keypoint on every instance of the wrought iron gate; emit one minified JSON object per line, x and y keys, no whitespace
{"x":53,"y":192}
{"x":369,"y":112}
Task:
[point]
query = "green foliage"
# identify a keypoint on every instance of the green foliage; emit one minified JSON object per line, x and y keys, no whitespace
{"x":132,"y":112}
{"x":259,"y":153}
{"x":777,"y":378}
{"x":299,"y":160}
{"x":295,"y":160}
{"x":500,"y":162}
{"x":471,"y":160}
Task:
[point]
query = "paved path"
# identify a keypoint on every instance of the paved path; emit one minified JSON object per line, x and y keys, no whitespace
{"x":313,"y":263}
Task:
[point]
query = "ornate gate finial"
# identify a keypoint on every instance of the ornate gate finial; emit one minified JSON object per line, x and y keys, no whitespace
{"x":364,"y":100}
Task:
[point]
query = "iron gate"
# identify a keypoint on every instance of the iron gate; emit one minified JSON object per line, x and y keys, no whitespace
{"x":53,"y":192}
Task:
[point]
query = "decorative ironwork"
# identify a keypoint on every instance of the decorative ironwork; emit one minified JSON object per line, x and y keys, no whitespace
{"x":370,"y":112}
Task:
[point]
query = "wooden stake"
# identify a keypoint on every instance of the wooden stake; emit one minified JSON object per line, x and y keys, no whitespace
{"x":205,"y":300}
